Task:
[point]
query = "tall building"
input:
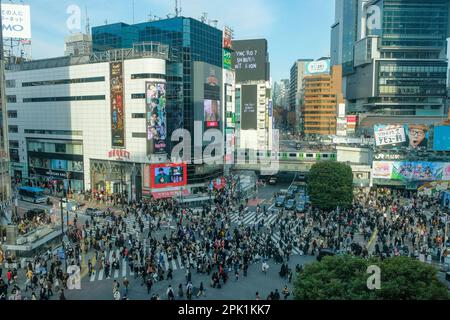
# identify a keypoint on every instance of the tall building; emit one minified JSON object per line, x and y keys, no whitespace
{"x":196,"y":55}
{"x":322,"y":95}
{"x":79,"y":44}
{"x":5,"y":180}
{"x":296,"y":88}
{"x":393,"y":65}
{"x":281,"y":94}
{"x":254,"y":105}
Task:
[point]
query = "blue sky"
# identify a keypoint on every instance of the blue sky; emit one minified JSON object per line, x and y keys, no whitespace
{"x":294,"y":28}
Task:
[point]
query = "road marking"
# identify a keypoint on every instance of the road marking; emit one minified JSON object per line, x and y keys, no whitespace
{"x":100,"y":274}
{"x":179,"y":262}
{"x":124,"y":268}
{"x":174,"y":265}
{"x":166,"y":262}
{"x":93,"y":276}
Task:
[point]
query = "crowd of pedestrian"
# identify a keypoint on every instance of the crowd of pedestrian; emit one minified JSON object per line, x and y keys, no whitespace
{"x":380,"y":222}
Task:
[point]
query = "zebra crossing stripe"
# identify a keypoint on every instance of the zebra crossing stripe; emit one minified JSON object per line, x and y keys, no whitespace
{"x":100,"y":274}
{"x":179,"y":262}
{"x":124,"y":268}
{"x":249,"y":218}
{"x":166,"y":262}
{"x":174,"y":265}
{"x":93,"y":276}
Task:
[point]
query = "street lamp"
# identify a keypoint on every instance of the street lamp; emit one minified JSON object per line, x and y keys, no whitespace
{"x":62,"y":229}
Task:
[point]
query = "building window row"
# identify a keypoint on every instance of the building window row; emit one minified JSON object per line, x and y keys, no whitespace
{"x":138,"y":96}
{"x":54,"y":147}
{"x":139,"y":135}
{"x":12,"y":114}
{"x":62,"y":81}
{"x":57,"y":99}
{"x":148,"y":76}
{"x":55,"y":132}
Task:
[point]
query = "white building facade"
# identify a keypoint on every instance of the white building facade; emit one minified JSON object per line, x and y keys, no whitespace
{"x":61,"y":120}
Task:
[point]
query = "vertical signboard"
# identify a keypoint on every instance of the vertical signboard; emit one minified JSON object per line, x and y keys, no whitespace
{"x":249,"y":107}
{"x":211,"y":103}
{"x":155,"y":98}
{"x":117,"y":105}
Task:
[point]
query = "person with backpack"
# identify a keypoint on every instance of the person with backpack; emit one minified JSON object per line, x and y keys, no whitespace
{"x":180,"y":291}
{"x":149,"y":284}
{"x":170,"y":294}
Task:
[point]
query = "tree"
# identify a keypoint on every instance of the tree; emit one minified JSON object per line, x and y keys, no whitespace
{"x":345,"y":278}
{"x":330,"y":184}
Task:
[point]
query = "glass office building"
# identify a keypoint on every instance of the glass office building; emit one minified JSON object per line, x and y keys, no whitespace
{"x":400,"y":61}
{"x":189,"y":41}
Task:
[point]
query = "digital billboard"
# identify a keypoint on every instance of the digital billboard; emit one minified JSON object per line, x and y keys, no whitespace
{"x":441,"y":138}
{"x":411,"y":171}
{"x":212,"y":113}
{"x":168,"y":175}
{"x":117,"y":105}
{"x":250,"y":59}
{"x":317,"y":67}
{"x":249,"y":107}
{"x":156,"y":117}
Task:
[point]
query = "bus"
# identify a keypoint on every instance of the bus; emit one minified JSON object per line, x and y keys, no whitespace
{"x":35,"y":195}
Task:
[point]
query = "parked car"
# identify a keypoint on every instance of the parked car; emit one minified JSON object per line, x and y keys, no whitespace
{"x":295,"y":189}
{"x":279,"y":202}
{"x":93,"y":212}
{"x":273,"y":181}
{"x":325,"y":252}
{"x":290,"y":194}
{"x":300,"y":208}
{"x":290,"y":204}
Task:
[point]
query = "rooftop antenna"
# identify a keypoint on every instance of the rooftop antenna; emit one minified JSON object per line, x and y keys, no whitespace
{"x":106,"y":21}
{"x":204,"y":17}
{"x":178,"y":8}
{"x":88,"y":26}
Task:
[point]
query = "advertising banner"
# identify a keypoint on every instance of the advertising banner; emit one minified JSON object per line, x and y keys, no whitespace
{"x":212,"y":113}
{"x":411,"y":171}
{"x":389,"y":135}
{"x":16,"y":22}
{"x":382,"y":170}
{"x":156,"y":117}
{"x":318,"y":67}
{"x":249,"y":107}
{"x":227,"y":59}
{"x":412,"y":135}
{"x":250,"y":60}
{"x":227,"y":38}
{"x":441,"y":138}
{"x":168,"y":175}
{"x":117,"y":105}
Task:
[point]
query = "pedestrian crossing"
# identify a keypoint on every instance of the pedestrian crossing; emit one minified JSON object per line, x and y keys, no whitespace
{"x":252,"y":218}
{"x":175,"y":264}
